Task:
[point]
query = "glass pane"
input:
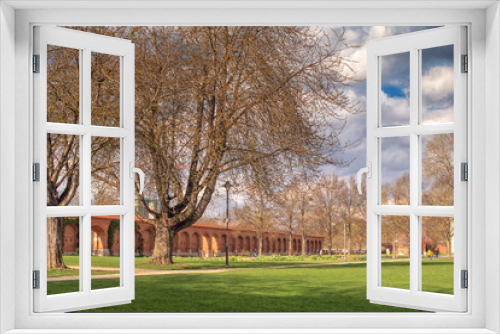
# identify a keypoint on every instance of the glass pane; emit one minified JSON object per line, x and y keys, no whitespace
{"x":437,"y":254}
{"x":395,"y":171}
{"x":105,"y":171}
{"x":63,"y":249}
{"x":105,"y":89}
{"x":438,"y":169}
{"x":437,"y":85}
{"x":105,"y":260}
{"x":395,"y":251}
{"x":63,"y":170}
{"x":395,"y":85}
{"x":63,"y":85}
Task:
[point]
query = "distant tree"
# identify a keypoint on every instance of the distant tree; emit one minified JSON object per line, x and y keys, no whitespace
{"x":396,"y":192}
{"x":438,"y":173}
{"x":328,"y":196}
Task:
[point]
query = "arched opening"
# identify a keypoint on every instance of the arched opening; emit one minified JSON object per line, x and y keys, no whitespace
{"x":233,"y":244}
{"x":205,"y":245}
{"x":278,"y":245}
{"x":294,"y":245}
{"x":70,"y":233}
{"x":214,"y":245}
{"x":247,"y":244}
{"x":195,"y":242}
{"x":240,"y":244}
{"x":254,"y":244}
{"x":148,"y":242}
{"x":139,"y":243}
{"x":183,"y":241}
{"x":97,"y":240}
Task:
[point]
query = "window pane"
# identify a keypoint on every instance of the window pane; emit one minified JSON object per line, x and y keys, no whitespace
{"x":437,"y":85}
{"x":438,"y":169}
{"x":395,"y":251}
{"x":63,"y":85}
{"x":395,"y":85}
{"x":105,"y":171}
{"x":105,"y":90}
{"x":105,"y":251}
{"x":437,"y":254}
{"x":63,"y":170}
{"x":59,"y":278}
{"x":395,"y":171}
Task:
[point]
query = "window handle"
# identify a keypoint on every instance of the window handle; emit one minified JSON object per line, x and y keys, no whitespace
{"x":368,"y":171}
{"x":142,"y":176}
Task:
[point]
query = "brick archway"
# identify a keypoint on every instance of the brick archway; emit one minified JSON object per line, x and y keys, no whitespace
{"x":195,"y":242}
{"x":205,"y":244}
{"x":247,"y":244}
{"x":99,"y":240}
{"x":214,"y":244}
{"x":241,"y":246}
{"x":70,"y":235}
{"x":147,"y":235}
{"x":184,"y":242}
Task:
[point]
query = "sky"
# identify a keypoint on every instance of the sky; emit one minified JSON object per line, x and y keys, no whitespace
{"x":437,"y":104}
{"x":437,"y":98}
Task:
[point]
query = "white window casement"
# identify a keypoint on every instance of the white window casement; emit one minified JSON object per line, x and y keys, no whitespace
{"x":477,"y":142}
{"x":85,"y":132}
{"x":415,"y":46}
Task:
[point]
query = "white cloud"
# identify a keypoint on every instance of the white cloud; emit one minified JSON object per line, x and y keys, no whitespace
{"x":395,"y":110}
{"x":437,"y":83}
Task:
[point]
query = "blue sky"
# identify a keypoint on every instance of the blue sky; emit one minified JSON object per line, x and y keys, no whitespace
{"x":437,"y":102}
{"x":437,"y":97}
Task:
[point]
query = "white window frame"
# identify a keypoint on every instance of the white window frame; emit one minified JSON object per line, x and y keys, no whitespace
{"x":413,"y":43}
{"x":86,"y":43}
{"x":483,"y":21}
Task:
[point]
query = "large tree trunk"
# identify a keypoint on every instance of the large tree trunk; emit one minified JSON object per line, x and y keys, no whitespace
{"x":55,"y":243}
{"x":290,"y":245}
{"x":448,"y":245}
{"x":164,"y":244}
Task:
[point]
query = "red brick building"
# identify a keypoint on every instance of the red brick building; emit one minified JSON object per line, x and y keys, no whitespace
{"x":196,"y":240}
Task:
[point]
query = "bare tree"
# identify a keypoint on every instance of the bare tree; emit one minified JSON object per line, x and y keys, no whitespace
{"x":438,"y":173}
{"x":257,"y":213}
{"x":328,"y":193}
{"x":396,"y":192}
{"x":210,"y":100}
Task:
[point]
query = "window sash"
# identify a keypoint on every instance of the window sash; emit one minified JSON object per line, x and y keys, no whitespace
{"x":86,"y":43}
{"x":413,"y":43}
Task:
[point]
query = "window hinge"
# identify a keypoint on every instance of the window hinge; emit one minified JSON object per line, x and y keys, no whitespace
{"x":465,"y":64}
{"x":36,"y":172}
{"x":465,"y":279}
{"x":36,"y":63}
{"x":464,"y":168}
{"x":36,"y":279}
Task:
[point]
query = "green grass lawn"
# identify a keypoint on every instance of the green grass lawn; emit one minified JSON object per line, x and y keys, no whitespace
{"x":74,"y":272}
{"x":181,"y":263}
{"x":313,"y":289}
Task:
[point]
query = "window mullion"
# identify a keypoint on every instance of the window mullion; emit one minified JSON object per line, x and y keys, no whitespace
{"x":86,"y":167}
{"x":414,"y":170}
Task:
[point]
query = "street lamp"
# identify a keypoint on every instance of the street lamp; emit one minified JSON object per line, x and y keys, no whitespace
{"x":227,"y":185}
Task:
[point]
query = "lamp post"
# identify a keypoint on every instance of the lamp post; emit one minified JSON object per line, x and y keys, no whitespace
{"x":227,"y":185}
